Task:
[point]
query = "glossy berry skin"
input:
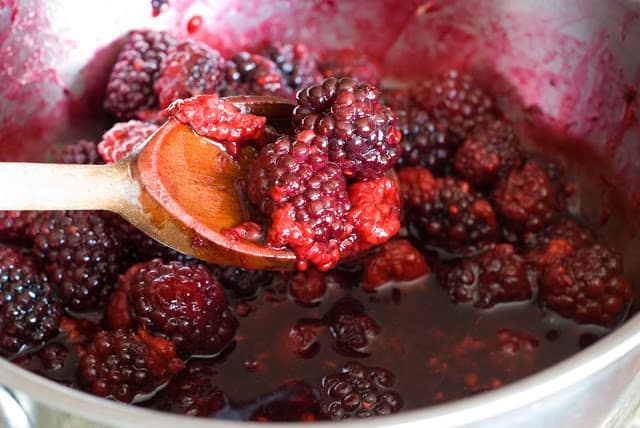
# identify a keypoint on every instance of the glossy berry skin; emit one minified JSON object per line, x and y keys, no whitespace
{"x":526,"y":198}
{"x":123,"y":365}
{"x":396,"y":260}
{"x":123,"y":138}
{"x":183,"y":303}
{"x":587,"y":285}
{"x":496,"y":276}
{"x":359,"y":132}
{"x":190,"y":69}
{"x":82,"y":255}
{"x":417,"y":186}
{"x":243,"y":283}
{"x":488,"y":153}
{"x":253,"y":74}
{"x":352,"y":329}
{"x":359,"y":391}
{"x":296,"y":63}
{"x":30,"y":309}
{"x":130,"y":88}
{"x":14,"y":226}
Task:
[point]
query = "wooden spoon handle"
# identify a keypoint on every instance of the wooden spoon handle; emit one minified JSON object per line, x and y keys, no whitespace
{"x":44,"y":186}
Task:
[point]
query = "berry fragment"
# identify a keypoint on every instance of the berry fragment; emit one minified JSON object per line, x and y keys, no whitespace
{"x":397,"y":260}
{"x":496,"y":276}
{"x":359,"y":391}
{"x":123,"y":138}
{"x":130,"y":87}
{"x":183,"y":303}
{"x":30,"y":309}
{"x":123,"y":365}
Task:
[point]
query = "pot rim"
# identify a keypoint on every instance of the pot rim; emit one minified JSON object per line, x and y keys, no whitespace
{"x":488,"y":404}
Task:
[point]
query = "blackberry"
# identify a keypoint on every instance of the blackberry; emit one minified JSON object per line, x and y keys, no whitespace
{"x":193,"y":391}
{"x":125,"y":366}
{"x":456,"y":218}
{"x":30,"y":309}
{"x":190,"y":69}
{"x":351,"y":63}
{"x":305,"y":195}
{"x":308,"y":287}
{"x":82,"y":255}
{"x":81,"y":152}
{"x":243,"y":283}
{"x":302,"y":338}
{"x":183,"y":303}
{"x":417,"y":185}
{"x":130,"y":87}
{"x":453,"y":98}
{"x":396,"y":260}
{"x":587,"y":285}
{"x":123,"y":138}
{"x":526,"y":198}
{"x":489,"y":152}
{"x":14,"y":226}
{"x":557,"y":241}
{"x":252,"y":74}
{"x":296,"y":63}
{"x":360,"y":133}
{"x":352,"y":329}
{"x":496,"y":276}
{"x":359,"y":391}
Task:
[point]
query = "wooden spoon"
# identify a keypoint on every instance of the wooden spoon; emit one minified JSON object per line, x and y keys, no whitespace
{"x":180,"y":188}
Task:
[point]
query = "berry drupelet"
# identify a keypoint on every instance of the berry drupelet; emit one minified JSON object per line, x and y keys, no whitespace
{"x":15,"y":225}
{"x":359,"y":391}
{"x":253,"y":74}
{"x":496,"y":276}
{"x":359,"y":132}
{"x":124,"y":365}
{"x":296,"y":63}
{"x":184,"y":303}
{"x":30,"y":309}
{"x":130,"y":88}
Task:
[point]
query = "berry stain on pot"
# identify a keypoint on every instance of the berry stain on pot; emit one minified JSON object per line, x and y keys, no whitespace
{"x":468,"y":272}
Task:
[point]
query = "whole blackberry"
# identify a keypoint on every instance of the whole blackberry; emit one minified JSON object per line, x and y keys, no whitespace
{"x":122,"y":138}
{"x":183,"y":303}
{"x":360,"y":133}
{"x":489,"y":152}
{"x":453,"y":98}
{"x":192,"y":392}
{"x":14,"y":226}
{"x":557,"y":241}
{"x":455,"y":218}
{"x":396,"y":260}
{"x":81,"y":152}
{"x":305,"y":195}
{"x":130,"y":86}
{"x":82,"y":255}
{"x":588,"y":285}
{"x":30,"y":309}
{"x":124,"y":365}
{"x":296,"y":63}
{"x":359,"y":391}
{"x":190,"y":69}
{"x":496,"y":276}
{"x":252,"y":74}
{"x":351,"y":327}
{"x":243,"y":283}
{"x":526,"y":198}
{"x":351,"y":63}
{"x":425,"y":141}
{"x":417,"y":185}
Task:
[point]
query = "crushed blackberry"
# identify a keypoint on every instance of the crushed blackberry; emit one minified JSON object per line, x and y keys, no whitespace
{"x":82,"y":255}
{"x":123,"y":138}
{"x":587,"y":285}
{"x":352,"y":329}
{"x":456,"y":218}
{"x":30,"y":309}
{"x":359,"y":391}
{"x":296,"y":63}
{"x":125,"y":366}
{"x":453,"y":98}
{"x":351,"y":63}
{"x":488,"y":153}
{"x":359,"y":132}
{"x":183,"y":303}
{"x":496,"y":276}
{"x":190,"y":69}
{"x":252,"y":74}
{"x":396,"y":260}
{"x":417,"y":185}
{"x":308,"y":287}
{"x":130,"y":87}
{"x":15,"y":225}
{"x":302,"y":338}
{"x":83,"y":152}
{"x":526,"y":198}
